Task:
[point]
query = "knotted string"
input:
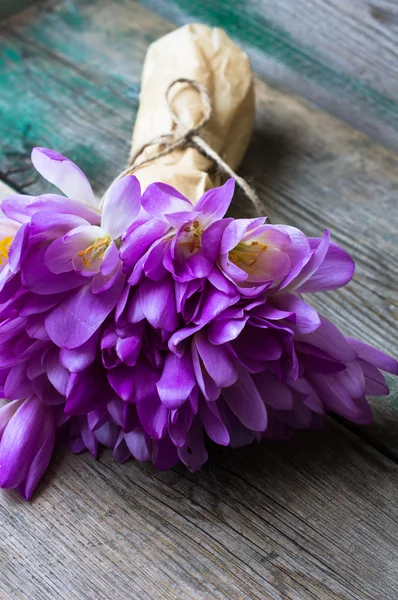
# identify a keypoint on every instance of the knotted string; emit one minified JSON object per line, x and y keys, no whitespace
{"x":183,"y":137}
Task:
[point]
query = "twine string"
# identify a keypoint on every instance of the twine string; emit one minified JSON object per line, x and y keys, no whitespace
{"x":183,"y":137}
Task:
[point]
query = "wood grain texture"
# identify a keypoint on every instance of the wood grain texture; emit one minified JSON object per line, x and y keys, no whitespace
{"x":339,"y":54}
{"x":311,"y":519}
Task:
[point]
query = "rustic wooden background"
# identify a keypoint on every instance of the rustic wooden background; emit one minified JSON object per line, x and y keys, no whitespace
{"x":313,"y":518}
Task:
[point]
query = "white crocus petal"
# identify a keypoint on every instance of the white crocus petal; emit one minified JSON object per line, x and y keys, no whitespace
{"x":111,"y":259}
{"x":7,"y":227}
{"x":122,"y":205}
{"x":88,"y":260}
{"x":59,"y":254}
{"x":8,"y":230}
{"x":64,"y":174}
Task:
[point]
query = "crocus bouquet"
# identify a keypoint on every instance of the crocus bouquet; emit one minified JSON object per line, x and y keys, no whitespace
{"x":153,"y":323}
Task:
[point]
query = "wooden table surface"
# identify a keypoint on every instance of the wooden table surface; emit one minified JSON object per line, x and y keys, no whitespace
{"x":315,"y":517}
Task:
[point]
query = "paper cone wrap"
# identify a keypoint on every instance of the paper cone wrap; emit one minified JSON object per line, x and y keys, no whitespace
{"x":209,"y":57}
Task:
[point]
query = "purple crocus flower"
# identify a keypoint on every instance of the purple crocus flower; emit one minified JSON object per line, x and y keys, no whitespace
{"x":246,"y":357}
{"x":27,"y":437}
{"x":254,"y":254}
{"x":263,"y":368}
{"x":181,"y":238}
{"x":70,"y":249}
{"x":153,"y":325}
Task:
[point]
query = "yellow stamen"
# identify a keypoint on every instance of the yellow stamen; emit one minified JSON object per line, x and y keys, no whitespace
{"x":96,"y":250}
{"x":5,"y":244}
{"x":245,"y":255}
{"x":194,"y":242}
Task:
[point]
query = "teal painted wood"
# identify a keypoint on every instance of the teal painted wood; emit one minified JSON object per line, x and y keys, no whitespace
{"x":341,"y":55}
{"x":10,"y":7}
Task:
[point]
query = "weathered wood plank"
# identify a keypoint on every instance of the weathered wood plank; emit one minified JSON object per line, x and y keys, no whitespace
{"x":340,"y":54}
{"x":314,"y":518}
{"x":70,"y":82}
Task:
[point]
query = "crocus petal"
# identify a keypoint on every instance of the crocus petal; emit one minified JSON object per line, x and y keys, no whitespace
{"x":59,"y":254}
{"x":215,"y":202}
{"x":199,"y":265}
{"x":274,"y":393}
{"x":122,"y":379}
{"x":211,"y":239}
{"x":15,"y":206}
{"x":80,"y":358}
{"x":158,"y":303}
{"x":307,"y":319}
{"x":151,"y":411}
{"x":236,"y":230}
{"x":107,"y":434}
{"x":21,"y":441}
{"x":214,"y":302}
{"x":140,"y":240}
{"x":153,"y":416}
{"x":209,"y":389}
{"x":128,"y":349}
{"x":7,"y":411}
{"x":37,"y":278}
{"x":17,"y":247}
{"x":39,"y":463}
{"x":58,"y":204}
{"x":74,"y":321}
{"x":97,"y":418}
{"x":56,"y":372}
{"x":46,"y":392}
{"x":336,"y":398}
{"x":213,"y":423}
{"x":17,"y":385}
{"x":193,"y":454}
{"x":222,"y":331}
{"x":180,"y":423}
{"x":35,"y":327}
{"x":246,"y":403}
{"x":110,"y":259}
{"x":221,"y":283}
{"x":153,"y":265}
{"x":121,"y":452}
{"x":64,"y":174}
{"x":86,"y":391}
{"x":177,"y":340}
{"x":375,"y":382}
{"x":121,"y":205}
{"x":317,"y":257}
{"x":335,"y":271}
{"x":101,"y":283}
{"x":89,"y":439}
{"x":375,"y":357}
{"x":164,"y":454}
{"x":353,"y":380}
{"x":137,"y":444}
{"x":135,"y":313}
{"x":328,"y":338}
{"x":160,"y":199}
{"x":218,"y":362}
{"x":177,"y":380}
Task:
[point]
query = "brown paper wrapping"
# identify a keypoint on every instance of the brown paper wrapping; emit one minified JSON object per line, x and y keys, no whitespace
{"x":210,"y":57}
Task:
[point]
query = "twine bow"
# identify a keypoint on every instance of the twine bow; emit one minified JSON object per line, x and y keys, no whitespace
{"x":183,"y":137}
